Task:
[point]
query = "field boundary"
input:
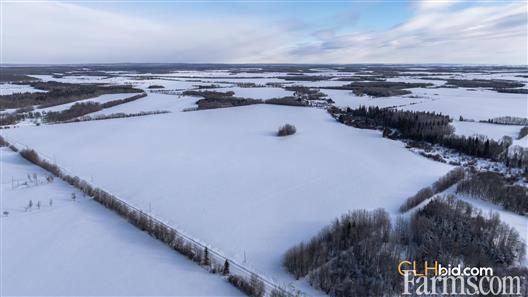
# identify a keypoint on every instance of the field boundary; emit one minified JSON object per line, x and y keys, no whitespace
{"x":161,"y":230}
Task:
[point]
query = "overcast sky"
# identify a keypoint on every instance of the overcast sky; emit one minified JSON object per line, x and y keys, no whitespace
{"x":439,"y":31}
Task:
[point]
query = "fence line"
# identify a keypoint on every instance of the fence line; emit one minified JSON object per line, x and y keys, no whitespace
{"x":157,"y":227}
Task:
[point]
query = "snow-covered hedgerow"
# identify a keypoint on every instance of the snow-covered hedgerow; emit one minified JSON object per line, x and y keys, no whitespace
{"x":192,"y":249}
{"x":444,"y":182}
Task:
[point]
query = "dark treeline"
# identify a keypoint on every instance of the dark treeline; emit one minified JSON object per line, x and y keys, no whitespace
{"x":60,"y":93}
{"x":523,"y":132}
{"x":83,"y":108}
{"x":156,"y":87}
{"x":442,"y":184}
{"x":379,"y":88}
{"x":358,"y":254}
{"x":484,"y":83}
{"x":493,"y":187}
{"x":416,"y":125}
{"x":215,"y":99}
{"x":290,"y":101}
{"x":296,"y":77}
{"x":507,"y":120}
{"x":428,"y":126}
{"x":196,"y":252}
{"x":362,"y":78}
{"x":511,"y":91}
{"x":478,"y":146}
{"x":118,"y":115}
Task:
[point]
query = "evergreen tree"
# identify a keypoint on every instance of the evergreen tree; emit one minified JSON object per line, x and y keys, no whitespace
{"x":205,"y":258}
{"x":226,"y":268}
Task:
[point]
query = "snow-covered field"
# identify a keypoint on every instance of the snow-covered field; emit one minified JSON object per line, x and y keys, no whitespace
{"x":8,"y":89}
{"x":80,"y":248}
{"x":224,"y":177}
{"x":493,"y":131}
{"x":99,"y":99}
{"x":477,"y":105}
{"x":257,"y":93}
{"x":153,"y":102}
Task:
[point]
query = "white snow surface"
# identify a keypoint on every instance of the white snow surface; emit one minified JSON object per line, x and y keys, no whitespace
{"x":153,"y":102}
{"x":477,"y":105}
{"x":223,"y":176}
{"x":492,"y":131}
{"x":257,"y":93}
{"x":99,"y":99}
{"x":81,"y":248}
{"x":9,"y":89}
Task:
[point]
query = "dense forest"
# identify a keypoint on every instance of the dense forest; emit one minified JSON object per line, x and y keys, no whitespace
{"x":495,"y":188}
{"x":357,"y":255}
{"x":416,"y":125}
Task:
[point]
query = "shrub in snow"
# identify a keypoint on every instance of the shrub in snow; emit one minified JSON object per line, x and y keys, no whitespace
{"x":279,"y":293}
{"x":286,"y":130}
{"x":254,"y":287}
{"x":416,"y":199}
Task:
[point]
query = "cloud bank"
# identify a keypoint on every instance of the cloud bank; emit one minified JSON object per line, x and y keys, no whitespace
{"x":438,"y":32}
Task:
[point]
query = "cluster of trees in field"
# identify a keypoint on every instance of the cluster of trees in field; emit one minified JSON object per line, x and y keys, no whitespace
{"x":508,"y":120}
{"x":83,"y":108}
{"x":10,"y":118}
{"x":442,"y":184}
{"x":306,"y":93}
{"x":495,"y":188}
{"x":286,"y":130}
{"x":288,"y":100}
{"x":379,"y":88}
{"x":358,"y":254}
{"x":156,"y":87}
{"x":60,"y":93}
{"x":215,"y":99}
